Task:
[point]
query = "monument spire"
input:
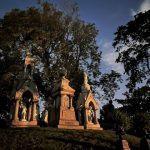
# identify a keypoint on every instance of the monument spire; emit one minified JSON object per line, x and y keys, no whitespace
{"x":29,"y":64}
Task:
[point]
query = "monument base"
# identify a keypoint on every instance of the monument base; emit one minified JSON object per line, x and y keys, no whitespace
{"x":93,"y":126}
{"x":69,"y":124}
{"x":24,"y":123}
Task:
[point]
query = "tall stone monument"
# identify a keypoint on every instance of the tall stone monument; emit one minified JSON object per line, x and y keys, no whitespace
{"x":87,"y":107}
{"x":25,"y":97}
{"x":62,"y":113}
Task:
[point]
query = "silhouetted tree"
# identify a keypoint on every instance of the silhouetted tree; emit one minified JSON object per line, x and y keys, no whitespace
{"x":56,"y":40}
{"x":132,"y":42}
{"x":137,"y":102}
{"x":109,"y":84}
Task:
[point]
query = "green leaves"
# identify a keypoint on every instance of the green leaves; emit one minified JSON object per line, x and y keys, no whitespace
{"x":109,"y":84}
{"x":132,"y":42}
{"x":122,"y":119}
{"x":57,"y":40}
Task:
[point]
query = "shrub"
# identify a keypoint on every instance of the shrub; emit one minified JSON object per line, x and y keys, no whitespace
{"x":141,"y":121}
{"x":122,"y":119}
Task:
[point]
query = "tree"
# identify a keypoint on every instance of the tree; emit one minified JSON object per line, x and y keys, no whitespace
{"x":137,"y":102}
{"x":141,"y":122}
{"x":132,"y":42}
{"x":122,"y":119}
{"x":55,"y":39}
{"x":109,"y":84}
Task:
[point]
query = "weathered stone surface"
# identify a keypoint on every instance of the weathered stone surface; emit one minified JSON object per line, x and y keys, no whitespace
{"x":62,"y":113}
{"x":24,"y":108}
{"x":24,"y":123}
{"x":87,"y":107}
{"x":71,"y":126}
{"x":125,"y":145}
{"x":93,"y":126}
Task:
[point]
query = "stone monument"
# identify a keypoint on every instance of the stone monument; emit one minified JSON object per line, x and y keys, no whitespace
{"x":62,"y":113}
{"x":87,"y":107}
{"x":25,"y":97}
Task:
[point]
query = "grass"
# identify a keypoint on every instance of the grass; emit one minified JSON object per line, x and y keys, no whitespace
{"x":60,"y":139}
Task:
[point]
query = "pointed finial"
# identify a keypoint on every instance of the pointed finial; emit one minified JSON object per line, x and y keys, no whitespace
{"x":85,"y":78}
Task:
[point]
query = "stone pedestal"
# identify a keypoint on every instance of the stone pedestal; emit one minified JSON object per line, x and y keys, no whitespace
{"x":68,"y":120}
{"x":87,"y":107}
{"x":64,"y":111}
{"x":28,"y":117}
{"x":24,"y":123}
{"x":93,"y":122}
{"x":93,"y":126}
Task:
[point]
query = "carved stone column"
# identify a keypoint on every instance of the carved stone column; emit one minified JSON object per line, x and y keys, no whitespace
{"x":34,"y":111}
{"x":71,"y":101}
{"x":16,"y":110}
{"x":29,"y":113}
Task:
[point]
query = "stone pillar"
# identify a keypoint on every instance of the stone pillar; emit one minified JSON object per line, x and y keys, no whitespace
{"x":86,"y":116}
{"x":29,"y":113}
{"x":65,"y":114}
{"x":16,"y":110}
{"x":34,"y":111}
{"x":71,"y":101}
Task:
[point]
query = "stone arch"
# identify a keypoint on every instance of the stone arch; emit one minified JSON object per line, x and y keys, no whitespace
{"x":27,"y":97}
{"x":90,"y":112}
{"x":91,"y":108}
{"x":25,"y":104}
{"x":89,"y":100}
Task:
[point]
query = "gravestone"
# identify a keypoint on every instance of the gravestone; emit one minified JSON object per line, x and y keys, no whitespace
{"x":62,"y":113}
{"x":25,"y":97}
{"x":87,"y":107}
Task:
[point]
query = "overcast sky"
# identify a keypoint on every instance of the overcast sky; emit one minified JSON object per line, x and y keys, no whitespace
{"x":106,"y":14}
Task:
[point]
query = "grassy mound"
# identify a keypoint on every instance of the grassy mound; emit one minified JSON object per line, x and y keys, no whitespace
{"x":60,"y":139}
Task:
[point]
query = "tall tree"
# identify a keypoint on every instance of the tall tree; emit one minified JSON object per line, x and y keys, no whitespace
{"x":109,"y":84}
{"x":132,"y":42}
{"x":137,"y":102}
{"x":55,"y":39}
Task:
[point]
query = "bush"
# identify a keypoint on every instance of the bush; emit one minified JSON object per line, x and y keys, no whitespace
{"x":141,"y":122}
{"x":122,"y":119}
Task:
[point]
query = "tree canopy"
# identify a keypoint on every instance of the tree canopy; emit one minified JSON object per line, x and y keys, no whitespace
{"x":109,"y":84}
{"x":132,"y":42}
{"x":55,"y":39}
{"x":137,"y":102}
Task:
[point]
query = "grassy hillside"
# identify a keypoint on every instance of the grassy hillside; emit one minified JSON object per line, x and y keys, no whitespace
{"x":60,"y":139}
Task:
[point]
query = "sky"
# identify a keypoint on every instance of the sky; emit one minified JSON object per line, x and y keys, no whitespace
{"x":108,"y":15}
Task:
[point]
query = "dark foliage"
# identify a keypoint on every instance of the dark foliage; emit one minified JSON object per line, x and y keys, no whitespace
{"x":109,"y":84}
{"x":132,"y":42}
{"x":138,"y":101}
{"x":55,"y":39}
